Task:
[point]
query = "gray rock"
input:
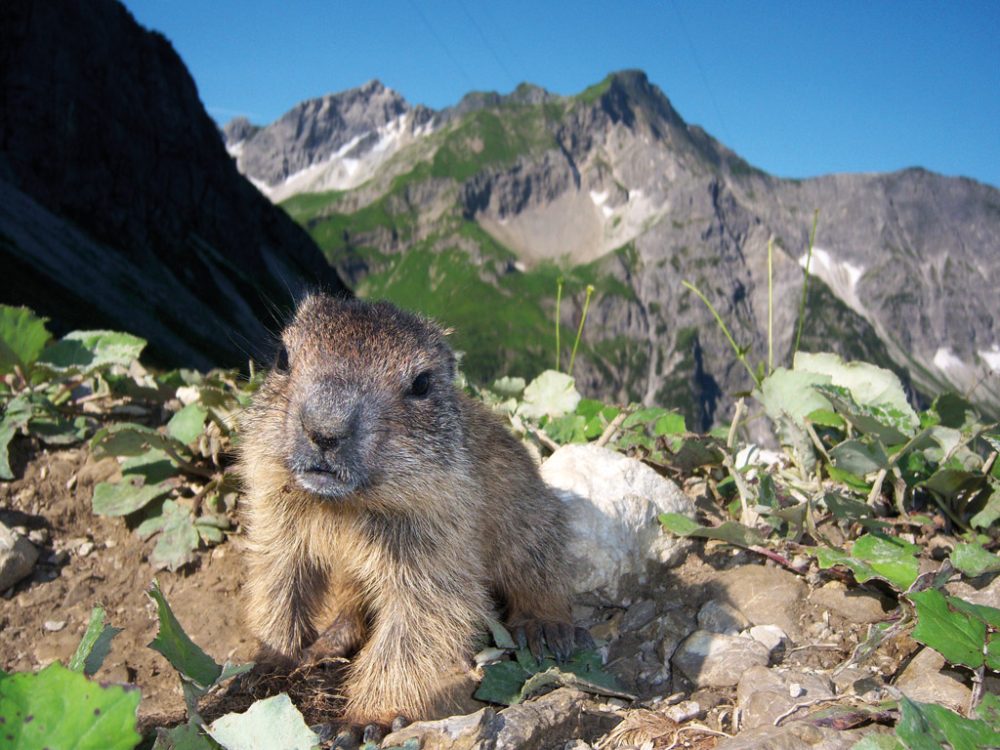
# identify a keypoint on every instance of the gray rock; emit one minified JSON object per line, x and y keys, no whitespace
{"x":770,"y":635}
{"x":17,"y":557}
{"x":719,"y":617}
{"x":613,"y":503}
{"x":452,"y":733}
{"x":538,"y":724}
{"x":716,"y":660}
{"x":765,"y":596}
{"x":764,"y":694}
{"x":798,"y":735}
{"x":854,"y":605}
{"x":927,"y":679}
{"x":987,"y":592}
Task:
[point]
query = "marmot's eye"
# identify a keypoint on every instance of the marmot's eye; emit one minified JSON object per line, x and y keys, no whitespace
{"x":281,"y":359}
{"x":421,"y":385}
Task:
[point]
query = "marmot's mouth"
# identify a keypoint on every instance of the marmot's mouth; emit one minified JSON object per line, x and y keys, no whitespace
{"x":327,"y":481}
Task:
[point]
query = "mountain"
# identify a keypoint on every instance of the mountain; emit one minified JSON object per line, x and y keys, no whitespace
{"x":480,"y":209}
{"x":119,"y":206}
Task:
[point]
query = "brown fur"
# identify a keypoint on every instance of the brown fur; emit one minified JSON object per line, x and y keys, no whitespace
{"x":381,"y":516}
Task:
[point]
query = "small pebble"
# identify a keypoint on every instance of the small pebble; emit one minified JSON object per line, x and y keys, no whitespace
{"x":85,"y":549}
{"x":38,"y":537}
{"x":54,"y":626}
{"x":794,"y":689}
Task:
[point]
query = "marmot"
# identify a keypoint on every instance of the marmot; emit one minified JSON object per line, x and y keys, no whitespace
{"x":384,"y":508}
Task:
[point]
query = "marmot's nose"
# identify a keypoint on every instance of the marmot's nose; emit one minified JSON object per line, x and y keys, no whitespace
{"x":325,"y":433}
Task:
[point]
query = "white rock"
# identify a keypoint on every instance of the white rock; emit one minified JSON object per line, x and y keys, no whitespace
{"x":613,"y":503}
{"x":17,"y":557}
{"x":85,"y":549}
{"x":770,"y":635}
{"x":716,"y":660}
{"x":54,"y":626}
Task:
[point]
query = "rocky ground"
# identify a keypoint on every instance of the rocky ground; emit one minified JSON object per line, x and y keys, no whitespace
{"x":720,"y":648}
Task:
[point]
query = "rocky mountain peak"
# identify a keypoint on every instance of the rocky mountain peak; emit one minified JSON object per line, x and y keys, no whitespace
{"x":628,"y":95}
{"x":322,"y":142}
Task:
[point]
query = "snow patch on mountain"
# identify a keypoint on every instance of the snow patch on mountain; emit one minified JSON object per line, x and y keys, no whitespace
{"x":841,"y":276}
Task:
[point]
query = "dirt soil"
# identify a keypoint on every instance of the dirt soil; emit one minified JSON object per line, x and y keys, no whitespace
{"x":87,"y":559}
{"x":47,"y":613}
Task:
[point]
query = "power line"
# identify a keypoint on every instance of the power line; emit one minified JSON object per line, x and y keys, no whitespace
{"x":447,"y":51}
{"x":704,"y":78}
{"x":489,"y":47}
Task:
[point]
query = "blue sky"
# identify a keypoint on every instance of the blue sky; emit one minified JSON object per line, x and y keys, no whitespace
{"x":797,"y":88}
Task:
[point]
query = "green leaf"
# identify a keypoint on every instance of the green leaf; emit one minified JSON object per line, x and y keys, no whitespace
{"x":950,"y":483}
{"x":501,"y":636}
{"x":95,"y":644}
{"x":178,"y":649}
{"x":187,"y":424}
{"x":87,"y":351}
{"x":957,"y":637}
{"x":875,"y":556}
{"x":989,"y":710}
{"x":551,"y":394}
{"x":853,"y":481}
{"x":982,"y":520}
{"x":790,"y":393}
{"x":846,"y":508}
{"x":67,"y":711}
{"x":973,"y":560}
{"x":502,"y":683}
{"x":985,"y":614}
{"x":569,"y":428}
{"x":928,"y":726}
{"x":954,"y":411}
{"x":890,"y":557}
{"x":270,"y":723}
{"x":22,"y":337}
{"x":59,"y":430}
{"x":826,"y":418}
{"x":127,"y":496}
{"x":859,"y":458}
{"x":730,"y":531}
{"x":184,"y":737}
{"x":868,"y":385}
{"x":670,"y":424}
{"x":15,"y":417}
{"x":178,"y":536}
{"x":127,"y":439}
{"x":154,"y":466}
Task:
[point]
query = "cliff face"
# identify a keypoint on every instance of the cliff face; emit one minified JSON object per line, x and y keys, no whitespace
{"x":119,"y":205}
{"x":499,"y":196}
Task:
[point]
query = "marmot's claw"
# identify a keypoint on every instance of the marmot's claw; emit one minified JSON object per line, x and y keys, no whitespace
{"x":398,"y":723}
{"x":534,"y":635}
{"x":584,"y":640}
{"x":519,"y":637}
{"x":346,"y":740}
{"x":372,"y":733}
{"x":559,"y":636}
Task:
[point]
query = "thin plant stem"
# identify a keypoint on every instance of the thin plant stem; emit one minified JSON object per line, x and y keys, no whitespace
{"x":770,"y":305}
{"x":805,"y":284}
{"x":559,"y":286}
{"x":579,"y":330}
{"x":740,"y":354}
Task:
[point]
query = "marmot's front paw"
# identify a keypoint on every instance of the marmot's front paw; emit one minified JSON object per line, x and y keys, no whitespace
{"x":536,"y":634}
{"x":352,"y":737}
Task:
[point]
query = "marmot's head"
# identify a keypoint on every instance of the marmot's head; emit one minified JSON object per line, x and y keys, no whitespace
{"x":362,"y":396}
